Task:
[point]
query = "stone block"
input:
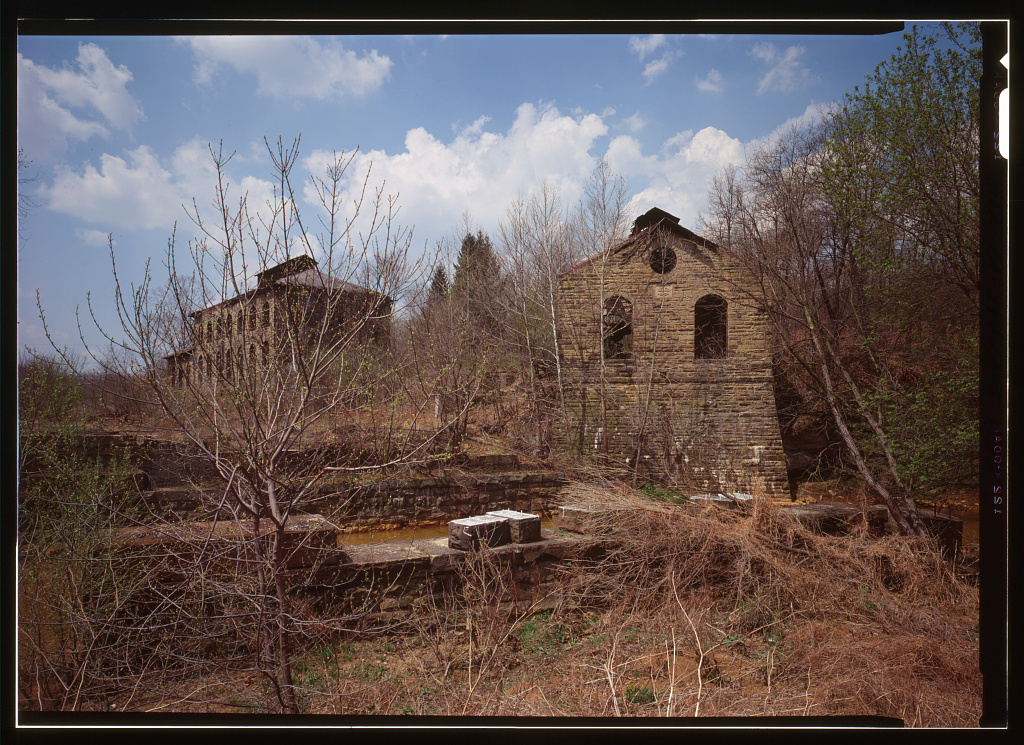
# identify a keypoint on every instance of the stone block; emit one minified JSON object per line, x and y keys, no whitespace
{"x":523,"y":527}
{"x":443,"y":558}
{"x":580,"y":519}
{"x":469,"y":532}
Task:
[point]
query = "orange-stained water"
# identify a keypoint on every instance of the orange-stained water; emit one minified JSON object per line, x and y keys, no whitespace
{"x":409,"y":534}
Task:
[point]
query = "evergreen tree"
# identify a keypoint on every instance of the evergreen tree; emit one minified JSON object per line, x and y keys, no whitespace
{"x":439,"y":286}
{"x":477,"y":266}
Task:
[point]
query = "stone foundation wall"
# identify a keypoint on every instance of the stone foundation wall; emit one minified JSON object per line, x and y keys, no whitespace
{"x":381,"y":582}
{"x":166,"y":472}
{"x":440,"y":499}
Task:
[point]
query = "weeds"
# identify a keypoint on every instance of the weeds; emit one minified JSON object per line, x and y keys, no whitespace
{"x":693,"y":612}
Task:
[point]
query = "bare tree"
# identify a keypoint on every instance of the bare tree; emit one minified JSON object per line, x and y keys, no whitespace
{"x":600,"y":222}
{"x":538,"y":246}
{"x":26,"y":202}
{"x":783,"y":228}
{"x":259,"y":350}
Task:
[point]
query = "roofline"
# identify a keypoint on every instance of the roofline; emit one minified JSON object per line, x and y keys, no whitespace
{"x":672,"y":226}
{"x":242,"y":296}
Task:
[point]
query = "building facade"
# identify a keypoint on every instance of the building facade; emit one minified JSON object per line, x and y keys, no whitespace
{"x":291,"y":304}
{"x":667,"y":364}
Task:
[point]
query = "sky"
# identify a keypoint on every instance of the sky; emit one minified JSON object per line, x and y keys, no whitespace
{"x":118,"y":130}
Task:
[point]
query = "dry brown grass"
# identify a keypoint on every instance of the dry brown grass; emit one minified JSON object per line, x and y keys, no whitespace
{"x":690,"y":612}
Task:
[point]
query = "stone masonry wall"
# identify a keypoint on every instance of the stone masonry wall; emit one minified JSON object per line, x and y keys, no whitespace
{"x":168,"y":471}
{"x":715,"y":420}
{"x":437,"y":500}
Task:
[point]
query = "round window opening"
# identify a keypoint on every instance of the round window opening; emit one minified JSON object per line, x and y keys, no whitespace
{"x":663,"y":259}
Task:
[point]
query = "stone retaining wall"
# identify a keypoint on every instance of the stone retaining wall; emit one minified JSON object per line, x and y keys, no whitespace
{"x":167,"y":470}
{"x":381,"y":582}
{"x":438,"y":500}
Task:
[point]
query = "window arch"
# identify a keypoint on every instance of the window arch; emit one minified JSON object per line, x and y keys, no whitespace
{"x":710,"y":327}
{"x":617,"y":328}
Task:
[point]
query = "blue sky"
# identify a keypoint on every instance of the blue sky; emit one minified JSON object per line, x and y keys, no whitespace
{"x":117,"y":129}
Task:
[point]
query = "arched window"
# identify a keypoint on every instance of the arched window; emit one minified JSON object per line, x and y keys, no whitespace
{"x":710,"y":322}
{"x":209,"y":330}
{"x":240,"y":319}
{"x":227,"y":326}
{"x":617,"y":328}
{"x":266,"y":313}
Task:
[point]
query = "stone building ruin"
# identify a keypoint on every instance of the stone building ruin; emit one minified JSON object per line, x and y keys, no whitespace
{"x":292,"y":297}
{"x":667,"y":365}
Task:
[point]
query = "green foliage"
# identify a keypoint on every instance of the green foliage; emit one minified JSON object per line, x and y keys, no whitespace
{"x":541,"y":636}
{"x":663,"y":495}
{"x":367,"y":671}
{"x":901,"y":163}
{"x":933,"y":425}
{"x":70,"y":501}
{"x":891,"y":207}
{"x":639,"y":695}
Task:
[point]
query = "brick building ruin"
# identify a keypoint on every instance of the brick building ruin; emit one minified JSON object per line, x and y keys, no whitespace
{"x":662,"y":325}
{"x":293,"y":298}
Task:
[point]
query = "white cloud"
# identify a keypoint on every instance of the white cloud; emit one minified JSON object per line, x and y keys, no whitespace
{"x":786,"y":73}
{"x":644,"y":45}
{"x":292,"y":66}
{"x":55,"y":106}
{"x":679,"y":174}
{"x":93,"y":237}
{"x":656,"y":67}
{"x":813,"y":113}
{"x":635,"y":123}
{"x":478,"y":171}
{"x":139,"y":191}
{"x":625,"y":157}
{"x":133,"y":193}
{"x":712,"y":82}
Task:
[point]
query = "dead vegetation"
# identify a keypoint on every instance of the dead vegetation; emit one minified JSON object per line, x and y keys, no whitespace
{"x":689,"y":611}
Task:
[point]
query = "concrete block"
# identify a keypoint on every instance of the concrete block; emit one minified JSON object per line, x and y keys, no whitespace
{"x":523,"y":527}
{"x":469,"y":532}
